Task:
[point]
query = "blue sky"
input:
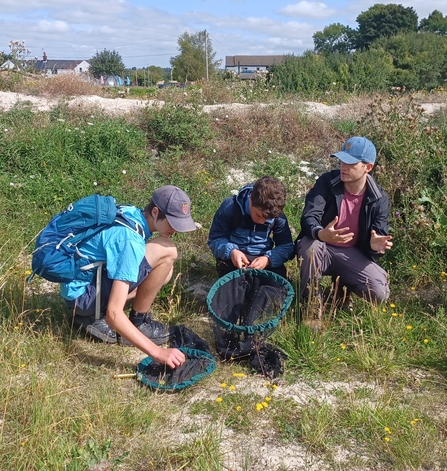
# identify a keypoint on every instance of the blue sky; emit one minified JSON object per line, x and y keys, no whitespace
{"x":145,"y":32}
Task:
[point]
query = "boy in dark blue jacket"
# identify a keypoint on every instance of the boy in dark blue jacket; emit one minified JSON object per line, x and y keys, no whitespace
{"x":250,"y":229}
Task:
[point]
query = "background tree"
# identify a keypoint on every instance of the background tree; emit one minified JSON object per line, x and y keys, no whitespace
{"x":420,"y":60}
{"x":156,"y":74}
{"x":106,"y":63}
{"x":384,"y":20}
{"x":435,"y":23}
{"x":4,"y":56}
{"x":190,"y":64}
{"x":308,"y":73}
{"x":334,"y":38}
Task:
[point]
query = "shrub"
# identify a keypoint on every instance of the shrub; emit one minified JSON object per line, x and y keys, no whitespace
{"x":175,"y":125}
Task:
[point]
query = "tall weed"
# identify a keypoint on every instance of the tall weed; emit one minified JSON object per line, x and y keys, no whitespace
{"x":411,"y":168}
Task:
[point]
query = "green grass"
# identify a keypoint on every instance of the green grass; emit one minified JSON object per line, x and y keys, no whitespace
{"x":366,"y":392}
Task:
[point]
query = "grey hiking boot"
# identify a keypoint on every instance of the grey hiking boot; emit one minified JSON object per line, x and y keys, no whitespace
{"x":153,"y":330}
{"x":102,"y":331}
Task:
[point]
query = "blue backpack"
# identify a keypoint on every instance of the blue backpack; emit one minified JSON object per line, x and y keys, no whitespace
{"x":56,"y":256}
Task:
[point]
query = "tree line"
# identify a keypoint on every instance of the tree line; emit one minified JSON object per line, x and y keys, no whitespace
{"x":390,"y":47}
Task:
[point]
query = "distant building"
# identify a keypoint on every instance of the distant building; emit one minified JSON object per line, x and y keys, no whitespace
{"x":250,"y":66}
{"x":7,"y":65}
{"x":60,"y":67}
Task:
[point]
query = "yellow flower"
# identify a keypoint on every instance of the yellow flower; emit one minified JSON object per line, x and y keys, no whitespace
{"x":275,"y":386}
{"x":387,"y":430}
{"x":426,"y":341}
{"x":259,"y":407}
{"x":392,"y":305}
{"x":264,"y":404}
{"x":387,"y":439}
{"x":343,"y":346}
{"x":239,"y":375}
{"x":223,"y":385}
{"x":404,"y":339}
{"x":266,"y":385}
{"x":238,"y":408}
{"x":23,"y":365}
{"x":413,"y":288}
{"x":232,"y":388}
{"x":384,"y":309}
{"x":394,"y":314}
{"x":268,"y":399}
{"x":219,"y":399}
{"x":409,"y":327}
{"x":338,"y":359}
{"x":28,"y":272}
{"x":414,"y":266}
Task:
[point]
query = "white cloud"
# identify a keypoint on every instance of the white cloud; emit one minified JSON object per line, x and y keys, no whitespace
{"x":307,"y":9}
{"x":45,"y":26}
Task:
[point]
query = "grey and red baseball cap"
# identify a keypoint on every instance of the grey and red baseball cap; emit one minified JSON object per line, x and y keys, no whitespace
{"x":176,"y":204}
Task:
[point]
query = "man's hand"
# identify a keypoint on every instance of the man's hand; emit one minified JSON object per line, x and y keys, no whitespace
{"x":239,"y":259}
{"x":260,"y":262}
{"x":335,"y":236}
{"x":169,"y":356}
{"x":380,"y":243}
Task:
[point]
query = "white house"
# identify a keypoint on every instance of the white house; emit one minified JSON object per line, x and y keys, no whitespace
{"x":7,"y":65}
{"x":251,"y":65}
{"x":60,"y":67}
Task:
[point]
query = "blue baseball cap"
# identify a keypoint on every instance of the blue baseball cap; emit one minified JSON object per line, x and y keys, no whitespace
{"x":357,"y":149}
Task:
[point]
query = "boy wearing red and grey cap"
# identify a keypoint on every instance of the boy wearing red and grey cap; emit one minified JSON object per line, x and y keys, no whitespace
{"x":344,"y":226}
{"x":135,"y":268}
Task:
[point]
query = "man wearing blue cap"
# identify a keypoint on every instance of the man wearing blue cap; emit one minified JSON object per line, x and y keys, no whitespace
{"x":136,"y":266}
{"x":344,"y":227}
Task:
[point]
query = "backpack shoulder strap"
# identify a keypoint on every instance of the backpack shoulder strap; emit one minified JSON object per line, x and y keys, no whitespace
{"x":127,"y":221}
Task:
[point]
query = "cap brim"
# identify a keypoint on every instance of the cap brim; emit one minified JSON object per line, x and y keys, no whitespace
{"x":346,"y":158}
{"x":185,"y":224}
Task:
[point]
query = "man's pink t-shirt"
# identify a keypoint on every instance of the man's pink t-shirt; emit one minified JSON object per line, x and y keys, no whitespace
{"x":349,"y":216}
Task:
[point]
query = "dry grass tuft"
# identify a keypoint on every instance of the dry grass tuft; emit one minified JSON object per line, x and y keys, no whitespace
{"x":60,"y":85}
{"x":287,"y":129}
{"x":69,"y":85}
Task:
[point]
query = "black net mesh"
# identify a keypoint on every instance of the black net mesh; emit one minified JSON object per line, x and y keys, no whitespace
{"x":246,"y":306}
{"x":158,"y":376}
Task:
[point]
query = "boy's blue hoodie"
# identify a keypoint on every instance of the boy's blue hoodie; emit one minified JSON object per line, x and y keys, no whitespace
{"x":233,"y":228}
